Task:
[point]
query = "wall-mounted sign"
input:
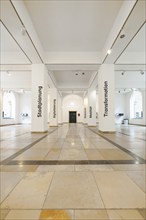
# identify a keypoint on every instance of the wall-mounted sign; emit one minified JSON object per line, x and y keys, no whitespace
{"x":90,"y":112}
{"x":105,"y":87}
{"x":84,"y":112}
{"x":39,"y":114}
{"x":54,"y":108}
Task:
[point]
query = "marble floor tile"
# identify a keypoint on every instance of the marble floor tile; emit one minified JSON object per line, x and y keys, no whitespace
{"x":43,"y":145}
{"x":3,"y":213}
{"x":139,"y":177}
{"x":19,"y":168}
{"x":124,"y":215}
{"x":119,"y":191}
{"x":73,"y":154}
{"x":72,"y":145}
{"x":36,"y":186}
{"x":132,"y":167}
{"x":53,"y":154}
{"x":94,"y":154}
{"x":23,"y":215}
{"x":143,"y":213}
{"x":93,"y":168}
{"x":91,"y":215}
{"x":57,"y":215}
{"x":73,"y":190}
{"x":115,"y":154}
{"x":8,"y":181}
{"x":53,"y":168}
{"x":33,"y":154}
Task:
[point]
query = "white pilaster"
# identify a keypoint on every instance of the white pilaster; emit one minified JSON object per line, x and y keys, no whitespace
{"x":59,"y":109}
{"x":91,"y":107}
{"x":39,"y":98}
{"x":106,"y":83}
{"x":53,"y":107}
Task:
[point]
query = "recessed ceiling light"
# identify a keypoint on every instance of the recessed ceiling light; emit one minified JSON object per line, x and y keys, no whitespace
{"x":109,"y":51}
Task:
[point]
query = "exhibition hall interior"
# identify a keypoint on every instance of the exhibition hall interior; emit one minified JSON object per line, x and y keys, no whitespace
{"x":73,"y":109}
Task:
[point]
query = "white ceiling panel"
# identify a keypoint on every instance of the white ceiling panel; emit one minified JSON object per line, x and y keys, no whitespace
{"x":73,"y":25}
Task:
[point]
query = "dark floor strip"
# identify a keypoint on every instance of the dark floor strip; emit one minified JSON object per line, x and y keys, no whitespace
{"x":72,"y":162}
{"x":7,"y":160}
{"x":137,"y":158}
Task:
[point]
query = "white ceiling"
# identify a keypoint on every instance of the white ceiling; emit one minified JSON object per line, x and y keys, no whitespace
{"x":138,"y":44}
{"x":7,"y":43}
{"x":66,"y":26}
{"x":73,"y":79}
{"x":73,"y":25}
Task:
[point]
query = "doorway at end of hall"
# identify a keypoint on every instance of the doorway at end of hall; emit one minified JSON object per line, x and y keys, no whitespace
{"x":72,"y":117}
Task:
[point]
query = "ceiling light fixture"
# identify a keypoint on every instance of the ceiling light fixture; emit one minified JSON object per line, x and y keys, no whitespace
{"x":76,"y":73}
{"x":109,"y":51}
{"x":122,"y":73}
{"x":142,"y":72}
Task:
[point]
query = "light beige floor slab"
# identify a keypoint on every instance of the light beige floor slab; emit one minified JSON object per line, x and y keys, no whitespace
{"x":53,"y":154}
{"x":93,"y":168}
{"x":115,"y":154}
{"x":19,"y":168}
{"x":73,"y":154}
{"x":30,"y":192}
{"x":3,"y":213}
{"x":8,"y":180}
{"x":143,"y":213}
{"x":119,"y":191}
{"x":57,"y":215}
{"x":73,"y":190}
{"x":33,"y":154}
{"x":94,"y":154}
{"x":139,"y":177}
{"x":124,"y":214}
{"x":132,"y":167}
{"x":91,"y":215}
{"x":53,"y":168}
{"x":23,"y":215}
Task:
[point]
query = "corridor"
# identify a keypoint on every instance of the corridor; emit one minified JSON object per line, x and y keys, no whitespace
{"x":72,"y":172}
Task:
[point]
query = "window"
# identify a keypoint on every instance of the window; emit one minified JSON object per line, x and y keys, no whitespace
{"x":136,"y":110}
{"x":8,"y":105}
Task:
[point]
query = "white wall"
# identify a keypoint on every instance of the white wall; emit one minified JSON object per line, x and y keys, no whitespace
{"x":120,"y":107}
{"x":72,"y":103}
{"x":136,"y":121}
{"x":25,"y":107}
{"x":17,"y":111}
{"x":86,"y":112}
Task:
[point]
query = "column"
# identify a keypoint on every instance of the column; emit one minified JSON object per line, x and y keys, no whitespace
{"x":91,"y":107}
{"x":39,"y":98}
{"x":106,"y":85}
{"x":53,"y":107}
{"x":59,"y":109}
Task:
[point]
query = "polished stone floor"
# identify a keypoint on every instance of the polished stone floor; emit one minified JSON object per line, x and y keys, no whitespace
{"x":73,"y":172}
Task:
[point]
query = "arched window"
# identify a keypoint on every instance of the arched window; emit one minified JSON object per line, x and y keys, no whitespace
{"x":8,"y":105}
{"x":136,"y":110}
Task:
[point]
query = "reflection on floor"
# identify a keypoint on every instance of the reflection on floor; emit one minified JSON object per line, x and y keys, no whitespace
{"x":73,"y":172}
